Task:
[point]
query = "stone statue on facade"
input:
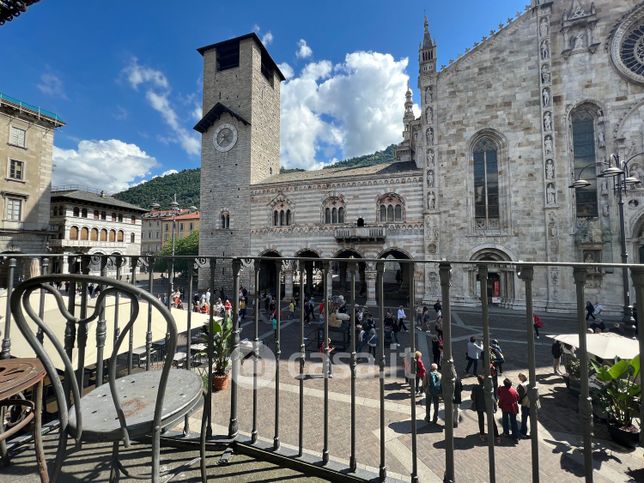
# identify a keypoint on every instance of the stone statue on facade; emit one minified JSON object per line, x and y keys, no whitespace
{"x":545,"y":94}
{"x":550,"y":169}
{"x":551,"y":194}
{"x":547,"y":121}
{"x":545,"y":74}
{"x":545,"y":49}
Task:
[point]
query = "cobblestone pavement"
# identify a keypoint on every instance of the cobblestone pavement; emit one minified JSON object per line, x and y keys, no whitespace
{"x":560,"y":457}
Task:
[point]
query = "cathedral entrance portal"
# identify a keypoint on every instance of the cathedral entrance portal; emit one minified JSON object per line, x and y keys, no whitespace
{"x":500,"y":279}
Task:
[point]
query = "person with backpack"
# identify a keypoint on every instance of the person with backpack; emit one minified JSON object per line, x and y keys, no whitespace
{"x":497,"y":356}
{"x":434,"y":392}
{"x":479,"y":404}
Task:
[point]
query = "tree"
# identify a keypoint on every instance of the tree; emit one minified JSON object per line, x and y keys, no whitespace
{"x":184,"y":246}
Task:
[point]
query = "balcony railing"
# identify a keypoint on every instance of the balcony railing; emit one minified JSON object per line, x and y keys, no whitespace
{"x":361,"y":234}
{"x":262,"y":358}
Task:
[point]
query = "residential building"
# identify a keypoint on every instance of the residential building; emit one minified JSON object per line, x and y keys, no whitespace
{"x":157,"y":228}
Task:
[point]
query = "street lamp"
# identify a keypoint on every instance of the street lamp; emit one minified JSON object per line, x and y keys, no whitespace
{"x":619,"y":171}
{"x":174,"y":207}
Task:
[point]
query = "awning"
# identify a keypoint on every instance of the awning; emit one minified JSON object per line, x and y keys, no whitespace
{"x":56,"y":321}
{"x":606,"y":345}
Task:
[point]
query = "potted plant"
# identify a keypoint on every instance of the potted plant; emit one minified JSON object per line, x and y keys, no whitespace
{"x":220,"y":331}
{"x":573,"y":368}
{"x":620,"y":398}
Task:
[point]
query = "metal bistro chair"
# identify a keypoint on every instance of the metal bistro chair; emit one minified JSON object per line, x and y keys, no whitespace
{"x":127,"y":408}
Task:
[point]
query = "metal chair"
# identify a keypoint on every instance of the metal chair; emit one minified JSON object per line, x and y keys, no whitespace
{"x":132,"y":407}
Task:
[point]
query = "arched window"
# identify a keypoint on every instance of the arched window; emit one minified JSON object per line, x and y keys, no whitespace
{"x":341,"y":215}
{"x":398,"y":213}
{"x":103,"y":215}
{"x":383,"y":213}
{"x":391,"y":208}
{"x":113,"y":216}
{"x":133,"y":220}
{"x":288,"y":217}
{"x":112,"y":235}
{"x":282,"y":221}
{"x":227,"y":220}
{"x":334,"y":215}
{"x":103,"y":234}
{"x":96,"y":215}
{"x":132,"y":238}
{"x":333,"y":209}
{"x":84,"y":212}
{"x":486,"y":183}
{"x":94,"y":234}
{"x":327,"y":215}
{"x":583,"y":145}
{"x":276,"y":218}
{"x":73,"y":233}
{"x":120,"y":218}
{"x":76,"y":211}
{"x":390,"y":213}
{"x":84,"y":234}
{"x":120,"y":236}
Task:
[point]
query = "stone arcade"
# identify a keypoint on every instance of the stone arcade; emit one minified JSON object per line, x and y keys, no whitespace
{"x":482,"y":174}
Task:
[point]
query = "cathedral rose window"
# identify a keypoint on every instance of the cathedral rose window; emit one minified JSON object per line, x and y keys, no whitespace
{"x":627,"y":48}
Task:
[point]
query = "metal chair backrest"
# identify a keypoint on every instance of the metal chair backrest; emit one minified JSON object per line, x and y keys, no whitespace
{"x":21,"y":298}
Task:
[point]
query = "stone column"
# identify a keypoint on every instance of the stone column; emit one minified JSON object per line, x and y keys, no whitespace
{"x":370,"y":274}
{"x":287,"y":270}
{"x":329,"y":283}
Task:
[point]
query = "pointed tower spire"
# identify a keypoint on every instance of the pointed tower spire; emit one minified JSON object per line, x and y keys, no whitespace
{"x":409,"y":104}
{"x":427,"y":39}
{"x":427,"y":53}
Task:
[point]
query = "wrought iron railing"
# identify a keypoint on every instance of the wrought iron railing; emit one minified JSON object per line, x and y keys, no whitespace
{"x":290,"y":272}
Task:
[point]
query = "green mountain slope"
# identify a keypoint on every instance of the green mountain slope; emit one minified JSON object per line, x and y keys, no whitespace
{"x":186,"y":183}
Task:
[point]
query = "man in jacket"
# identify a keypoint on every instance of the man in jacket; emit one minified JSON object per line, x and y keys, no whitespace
{"x":473,"y":354}
{"x":434,"y":392}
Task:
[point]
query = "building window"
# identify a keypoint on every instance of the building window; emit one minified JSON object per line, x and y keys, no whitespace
{"x":120,"y":217}
{"x":16,"y":170}
{"x":120,"y":236}
{"x":583,"y":144}
{"x":94,"y":234}
{"x":282,"y":217}
{"x":180,"y":226}
{"x":103,"y":215}
{"x":84,"y":213}
{"x":84,"y":235}
{"x":391,"y":209}
{"x":17,"y":137}
{"x":132,"y":238}
{"x":113,"y":216}
{"x":103,"y":234}
{"x":133,"y":220}
{"x":76,"y":211}
{"x":225,"y":220}
{"x":96,"y":215}
{"x":486,"y":183}
{"x":112,"y":235}
{"x":14,"y":209}
{"x":190,"y":227}
{"x":73,"y":233}
{"x":228,"y":55}
{"x":333,"y":210}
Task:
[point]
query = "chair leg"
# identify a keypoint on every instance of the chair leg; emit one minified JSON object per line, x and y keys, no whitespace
{"x":202,"y":441}
{"x":40,"y":454}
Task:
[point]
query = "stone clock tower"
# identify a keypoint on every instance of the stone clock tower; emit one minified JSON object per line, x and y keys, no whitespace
{"x":240,"y":144}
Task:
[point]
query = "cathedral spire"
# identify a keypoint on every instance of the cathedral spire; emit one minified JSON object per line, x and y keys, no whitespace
{"x":427,"y":39}
{"x":409,"y":104}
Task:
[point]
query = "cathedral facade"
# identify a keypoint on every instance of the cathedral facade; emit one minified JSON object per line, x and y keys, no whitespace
{"x":482,"y":174}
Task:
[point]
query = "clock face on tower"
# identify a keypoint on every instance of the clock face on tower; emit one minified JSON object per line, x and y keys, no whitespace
{"x":225,"y":137}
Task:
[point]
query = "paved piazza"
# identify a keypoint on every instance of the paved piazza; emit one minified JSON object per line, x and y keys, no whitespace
{"x":559,"y":424}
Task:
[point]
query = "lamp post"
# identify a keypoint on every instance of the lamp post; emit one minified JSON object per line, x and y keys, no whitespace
{"x":619,"y":171}
{"x":622,"y":180}
{"x":174,"y":207}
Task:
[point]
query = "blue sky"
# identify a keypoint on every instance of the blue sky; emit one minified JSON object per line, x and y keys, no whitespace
{"x":126,"y":78}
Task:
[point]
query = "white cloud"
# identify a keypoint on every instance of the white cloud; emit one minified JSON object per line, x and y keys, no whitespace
{"x":157,"y":93}
{"x":111,"y":165}
{"x":166,"y":173}
{"x":286,"y":69}
{"x":51,"y":85}
{"x":303,"y":50}
{"x":267,"y":38}
{"x":340,"y":111}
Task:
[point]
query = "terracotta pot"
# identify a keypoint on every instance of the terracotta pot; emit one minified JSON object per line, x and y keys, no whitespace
{"x":220,"y":382}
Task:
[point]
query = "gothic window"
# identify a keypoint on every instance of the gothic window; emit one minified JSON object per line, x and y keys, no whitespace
{"x":288,"y":217}
{"x":627,"y":46}
{"x":334,"y":210}
{"x":583,"y":144}
{"x":486,"y":183}
{"x":73,"y":233}
{"x":276,"y":216}
{"x":282,"y":218}
{"x":225,"y":220}
{"x":391,"y":208}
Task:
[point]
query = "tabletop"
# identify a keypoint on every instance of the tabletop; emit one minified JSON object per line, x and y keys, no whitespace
{"x":16,"y":375}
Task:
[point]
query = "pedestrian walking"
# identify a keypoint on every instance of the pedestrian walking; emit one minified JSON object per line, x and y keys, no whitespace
{"x":590,"y":310}
{"x":537,"y":324}
{"x":509,"y":404}
{"x":556,"y":356}
{"x":434,"y":392}
{"x":438,"y":308}
{"x":372,"y":341}
{"x":401,"y":319}
{"x":479,"y":404}
{"x":436,"y":350}
{"x":473,"y":354}
{"x":421,"y":372}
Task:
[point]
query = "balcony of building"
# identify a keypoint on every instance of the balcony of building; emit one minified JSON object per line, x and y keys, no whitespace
{"x":310,"y":396}
{"x":361,"y":234}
